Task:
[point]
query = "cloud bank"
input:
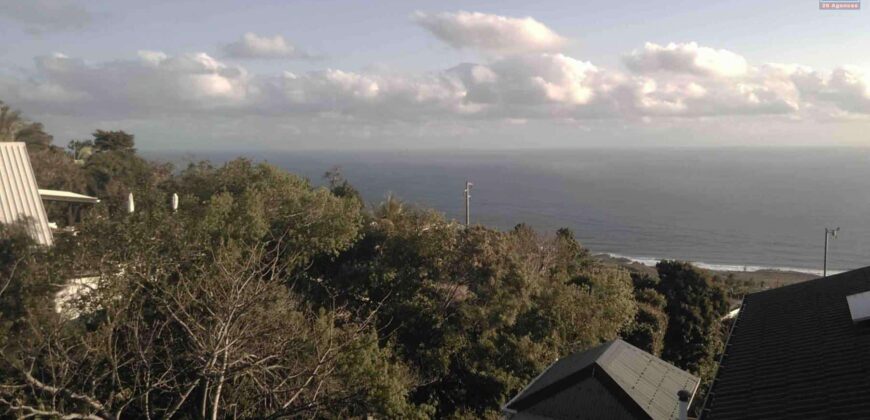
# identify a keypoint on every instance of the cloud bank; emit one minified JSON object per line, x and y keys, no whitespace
{"x":524,"y":82}
{"x":529,"y":86}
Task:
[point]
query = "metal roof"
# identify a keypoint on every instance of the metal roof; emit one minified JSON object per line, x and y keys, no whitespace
{"x":67,"y":197}
{"x":19,"y":195}
{"x":651,"y":382}
{"x":645,"y":381}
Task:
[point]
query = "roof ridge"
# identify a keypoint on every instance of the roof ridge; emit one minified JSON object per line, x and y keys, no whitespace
{"x":811,"y":282}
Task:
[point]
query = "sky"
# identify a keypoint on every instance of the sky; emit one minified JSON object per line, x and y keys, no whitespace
{"x":361,"y":75}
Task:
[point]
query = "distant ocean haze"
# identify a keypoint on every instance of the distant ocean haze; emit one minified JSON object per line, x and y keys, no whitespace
{"x":752,"y":207}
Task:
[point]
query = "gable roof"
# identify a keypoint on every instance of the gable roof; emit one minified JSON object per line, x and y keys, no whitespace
{"x":794,"y":352}
{"x":19,"y":195}
{"x":638,"y":378}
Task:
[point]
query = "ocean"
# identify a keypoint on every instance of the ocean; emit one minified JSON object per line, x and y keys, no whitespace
{"x":735,"y":208}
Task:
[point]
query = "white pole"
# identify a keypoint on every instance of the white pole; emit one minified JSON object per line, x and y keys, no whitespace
{"x":131,"y":206}
{"x":174,"y":202}
{"x":468,"y":186}
{"x":825,"y":260}
{"x":833,"y":233}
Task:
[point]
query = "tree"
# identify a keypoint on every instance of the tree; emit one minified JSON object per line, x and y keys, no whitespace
{"x":80,"y":150}
{"x":475,"y":312}
{"x":25,"y":285}
{"x":694,"y":306}
{"x":13,"y":127}
{"x":34,"y":135}
{"x":117,"y":141}
{"x":647,"y":332}
{"x":115,"y":170}
{"x":339,"y":186}
{"x":264,"y":297}
{"x":191,"y":321}
{"x":10,"y":122}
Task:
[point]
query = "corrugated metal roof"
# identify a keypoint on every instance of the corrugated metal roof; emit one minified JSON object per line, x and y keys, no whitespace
{"x":19,"y":194}
{"x":67,"y":196}
{"x":563,"y":367}
{"x":651,"y":383}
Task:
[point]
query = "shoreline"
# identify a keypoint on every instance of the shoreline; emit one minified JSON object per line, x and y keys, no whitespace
{"x":770,"y":277}
{"x":729,"y":268}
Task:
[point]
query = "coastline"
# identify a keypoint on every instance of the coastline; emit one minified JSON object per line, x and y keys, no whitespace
{"x":770,"y":277}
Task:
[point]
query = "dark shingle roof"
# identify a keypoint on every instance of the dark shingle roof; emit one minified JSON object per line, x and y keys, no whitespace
{"x":794,"y":352}
{"x":644,"y":381}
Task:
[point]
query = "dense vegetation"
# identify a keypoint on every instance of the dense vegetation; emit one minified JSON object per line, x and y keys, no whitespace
{"x":264,"y":296}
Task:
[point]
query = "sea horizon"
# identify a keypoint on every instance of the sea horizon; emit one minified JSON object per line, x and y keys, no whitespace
{"x":725,"y":208}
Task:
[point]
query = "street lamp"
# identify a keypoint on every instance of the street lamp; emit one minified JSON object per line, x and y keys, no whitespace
{"x":833,"y":234}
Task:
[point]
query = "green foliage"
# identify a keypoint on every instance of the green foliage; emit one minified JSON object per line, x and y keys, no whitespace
{"x":173,"y":296}
{"x":80,"y":149}
{"x":113,"y":174}
{"x":475,"y":312}
{"x":26,"y":277}
{"x":263,"y":296}
{"x":13,"y":127}
{"x":10,"y":122}
{"x":113,"y":141}
{"x":259,"y":202}
{"x":340,"y":187}
{"x":16,"y":265}
{"x":695,"y":306}
{"x":34,"y":135}
{"x":384,"y":382}
{"x":647,"y":332}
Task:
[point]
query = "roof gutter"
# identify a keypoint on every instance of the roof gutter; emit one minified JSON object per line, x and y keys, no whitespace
{"x":722,"y":358}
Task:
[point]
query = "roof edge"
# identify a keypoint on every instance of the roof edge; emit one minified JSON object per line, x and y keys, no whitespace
{"x":517,"y":404}
{"x":804,"y":283}
{"x":557,"y":385}
{"x":701,"y":414}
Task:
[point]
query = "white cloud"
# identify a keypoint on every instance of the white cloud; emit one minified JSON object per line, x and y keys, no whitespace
{"x":491,"y":33}
{"x":533,"y":88}
{"x":39,"y":16}
{"x":252,"y":45}
{"x":689,"y":58}
{"x":760,"y":93}
{"x":847,"y":88}
{"x":155,"y":83}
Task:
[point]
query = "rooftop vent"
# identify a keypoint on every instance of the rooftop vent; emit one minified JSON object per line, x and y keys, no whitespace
{"x":859,"y":306}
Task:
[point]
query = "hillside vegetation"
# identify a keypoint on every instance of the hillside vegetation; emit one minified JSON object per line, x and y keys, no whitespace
{"x":264,"y":296}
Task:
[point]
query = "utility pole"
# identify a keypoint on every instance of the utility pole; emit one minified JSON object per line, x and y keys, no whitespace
{"x":468,"y":186}
{"x":833,"y":234}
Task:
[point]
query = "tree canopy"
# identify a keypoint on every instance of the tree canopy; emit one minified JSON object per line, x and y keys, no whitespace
{"x":107,"y":141}
{"x":14,"y":127}
{"x":267,"y":296}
